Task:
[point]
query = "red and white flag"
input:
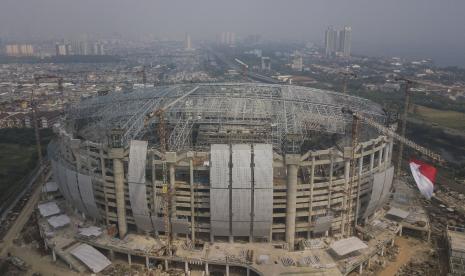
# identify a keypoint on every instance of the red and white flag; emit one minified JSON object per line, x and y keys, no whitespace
{"x":424,"y":176}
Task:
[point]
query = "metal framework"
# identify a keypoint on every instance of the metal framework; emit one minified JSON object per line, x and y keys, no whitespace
{"x":202,"y":114}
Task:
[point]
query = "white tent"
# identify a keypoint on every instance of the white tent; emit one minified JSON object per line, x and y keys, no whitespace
{"x":90,"y":231}
{"x":396,"y":212}
{"x":91,"y":257}
{"x":59,"y":221}
{"x":346,"y":246}
{"x":48,"y":209}
{"x":50,"y":187}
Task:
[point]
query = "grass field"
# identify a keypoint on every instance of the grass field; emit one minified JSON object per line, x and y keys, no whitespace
{"x":18,"y":157}
{"x":16,"y":161}
{"x":450,"y":119}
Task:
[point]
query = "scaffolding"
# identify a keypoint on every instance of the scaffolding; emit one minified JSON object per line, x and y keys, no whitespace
{"x":229,"y":112}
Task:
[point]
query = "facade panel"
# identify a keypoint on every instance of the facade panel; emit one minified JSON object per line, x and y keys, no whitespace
{"x":241,"y":210}
{"x":382,"y":183}
{"x":241,"y":172}
{"x":263,"y":190}
{"x":71,"y":182}
{"x":219,"y":166}
{"x":263,"y":170}
{"x":263,"y":212}
{"x":61,"y":175}
{"x":219,"y":212}
{"x":87,"y":195}
{"x":136,"y":185}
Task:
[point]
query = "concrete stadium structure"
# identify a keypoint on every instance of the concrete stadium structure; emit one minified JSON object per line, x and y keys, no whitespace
{"x":244,"y":162}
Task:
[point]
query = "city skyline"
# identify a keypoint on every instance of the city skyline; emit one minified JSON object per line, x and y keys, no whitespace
{"x":418,"y":29}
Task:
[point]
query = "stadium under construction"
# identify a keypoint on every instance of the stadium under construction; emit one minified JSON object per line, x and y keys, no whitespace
{"x":224,"y":166}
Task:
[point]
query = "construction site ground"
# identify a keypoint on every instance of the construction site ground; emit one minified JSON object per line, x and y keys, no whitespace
{"x":409,"y":249}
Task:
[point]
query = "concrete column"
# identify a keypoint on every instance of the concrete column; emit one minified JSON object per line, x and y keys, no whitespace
{"x":391,"y":147}
{"x":147,"y":262}
{"x":380,"y":159}
{"x":227,"y":270}
{"x":207,"y":271}
{"x":172,"y":179}
{"x":117,"y":155}
{"x":360,"y":269}
{"x":154,"y":177}
{"x":347,"y":197}
{"x":310,"y":205}
{"x":330,"y":187}
{"x":248,"y":271}
{"x":129,"y":259}
{"x":166,"y":265}
{"x":104,"y":184}
{"x":359,"y":183}
{"x":386,"y":155}
{"x":372,"y":157}
{"x":172,"y":170}
{"x":186,"y":268}
{"x":54,"y":256}
{"x":191,"y":179}
{"x":112,"y":255}
{"x":382,"y":251}
{"x":400,"y":232}
{"x":292,"y":163}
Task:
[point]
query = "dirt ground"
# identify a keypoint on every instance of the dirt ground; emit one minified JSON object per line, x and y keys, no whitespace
{"x":408,"y":248}
{"x":41,"y":263}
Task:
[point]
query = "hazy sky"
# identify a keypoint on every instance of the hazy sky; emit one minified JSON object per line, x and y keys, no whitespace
{"x":415,"y":28}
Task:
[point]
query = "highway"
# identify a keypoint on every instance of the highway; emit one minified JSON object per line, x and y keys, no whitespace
{"x":25,"y":213}
{"x":8,"y":205}
{"x":234,"y":65}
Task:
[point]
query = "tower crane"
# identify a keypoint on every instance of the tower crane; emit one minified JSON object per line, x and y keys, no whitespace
{"x":167,"y":192}
{"x":408,"y":84}
{"x":347,"y":75}
{"x":143,"y":73}
{"x":37,"y":79}
{"x":357,"y":118}
{"x":244,"y":67}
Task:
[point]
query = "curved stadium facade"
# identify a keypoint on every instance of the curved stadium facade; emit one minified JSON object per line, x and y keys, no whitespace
{"x":249,"y":162}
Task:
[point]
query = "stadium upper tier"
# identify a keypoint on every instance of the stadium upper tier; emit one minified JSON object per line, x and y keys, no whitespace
{"x":289,"y":117}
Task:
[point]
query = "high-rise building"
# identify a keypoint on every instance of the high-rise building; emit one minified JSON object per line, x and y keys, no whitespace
{"x":60,"y":50}
{"x":99,"y":49}
{"x":187,"y":42}
{"x":345,"y":41}
{"x":12,"y":50}
{"x":80,"y":47}
{"x":63,"y":49}
{"x":297,"y":62}
{"x":266,"y":64}
{"x":19,"y":50}
{"x":330,"y":41}
{"x":338,"y":42}
{"x":228,"y":38}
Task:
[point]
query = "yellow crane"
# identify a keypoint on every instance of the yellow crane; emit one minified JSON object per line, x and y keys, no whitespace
{"x":347,"y":75}
{"x":357,"y":118}
{"x":408,"y":85}
{"x":167,"y":192}
{"x":37,"y":79}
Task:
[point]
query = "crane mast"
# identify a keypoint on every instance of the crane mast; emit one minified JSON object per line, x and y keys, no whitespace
{"x":167,"y":192}
{"x":401,"y":139}
{"x":358,"y":117}
{"x":37,"y":79}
